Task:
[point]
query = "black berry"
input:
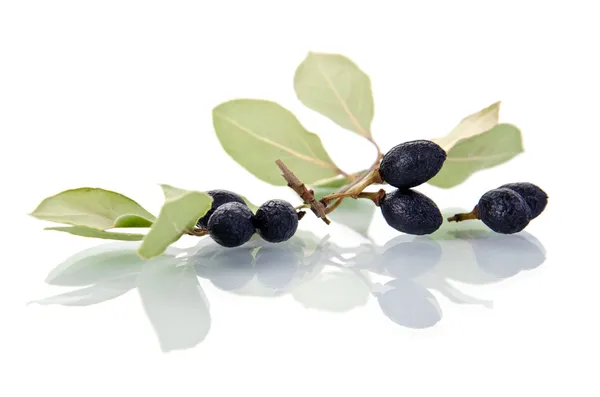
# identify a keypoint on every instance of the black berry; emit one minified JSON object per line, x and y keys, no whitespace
{"x":411,"y":212}
{"x":219,"y":197}
{"x":231,"y":224}
{"x":276,"y":221}
{"x":535,"y":197}
{"x":504,"y":211}
{"x":412,"y":163}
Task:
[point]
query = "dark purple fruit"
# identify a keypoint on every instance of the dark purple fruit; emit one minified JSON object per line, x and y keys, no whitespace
{"x":231,"y":224}
{"x":504,"y":211}
{"x":535,"y":197}
{"x":219,"y":197}
{"x":411,"y":212}
{"x":412,"y":163}
{"x":276,"y":221}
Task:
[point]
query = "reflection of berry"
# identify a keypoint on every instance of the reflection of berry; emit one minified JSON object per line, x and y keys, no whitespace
{"x":276,"y":221}
{"x":219,"y":197}
{"x":411,"y":212}
{"x":410,"y":305}
{"x":505,"y":256}
{"x":535,"y":197}
{"x":412,"y":163}
{"x":276,"y":266}
{"x":504,"y":211}
{"x":231,"y":224}
{"x":408,"y":259}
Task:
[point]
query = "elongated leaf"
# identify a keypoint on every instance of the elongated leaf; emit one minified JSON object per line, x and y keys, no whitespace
{"x":479,"y":152}
{"x":103,"y":262}
{"x":472,"y":125}
{"x":85,"y":231}
{"x":256,"y":133}
{"x":356,"y":214}
{"x":180,"y":212}
{"x":97,"y":293}
{"x":334,"y":86}
{"x":176,"y":306}
{"x":93,"y":207}
{"x":334,"y":291}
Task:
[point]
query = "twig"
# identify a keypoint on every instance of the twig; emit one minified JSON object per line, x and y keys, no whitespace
{"x":307,"y":196}
{"x":196,"y":231}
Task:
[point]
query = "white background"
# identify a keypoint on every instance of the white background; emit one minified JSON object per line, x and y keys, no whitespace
{"x":118,"y":95}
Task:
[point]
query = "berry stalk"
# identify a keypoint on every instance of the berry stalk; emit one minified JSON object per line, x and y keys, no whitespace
{"x":465,"y":216}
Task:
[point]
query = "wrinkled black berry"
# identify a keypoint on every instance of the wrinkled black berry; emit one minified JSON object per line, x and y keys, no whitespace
{"x":231,"y":224}
{"x":535,"y":197}
{"x":504,"y":211}
{"x":412,"y":163}
{"x":276,"y":221}
{"x":411,"y":212}
{"x":219,"y":197}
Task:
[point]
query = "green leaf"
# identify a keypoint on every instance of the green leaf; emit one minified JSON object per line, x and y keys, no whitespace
{"x":180,"y":212}
{"x":472,"y":125}
{"x":479,"y":152}
{"x":357,"y":214}
{"x":85,"y":231}
{"x":95,"y":208}
{"x":256,"y":133}
{"x":253,"y":207}
{"x":334,"y":86}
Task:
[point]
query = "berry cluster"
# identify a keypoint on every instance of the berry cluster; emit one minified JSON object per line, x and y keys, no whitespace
{"x":231,"y":223}
{"x":509,"y":208}
{"x":406,"y":166}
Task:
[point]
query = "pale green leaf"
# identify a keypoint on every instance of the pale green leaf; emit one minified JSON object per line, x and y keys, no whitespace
{"x":180,"y":212}
{"x":85,"y":231}
{"x":472,"y":125}
{"x":256,"y":133}
{"x":253,"y":207}
{"x":336,"y":87}
{"x":479,"y":152}
{"x":357,"y":214}
{"x":93,"y":207}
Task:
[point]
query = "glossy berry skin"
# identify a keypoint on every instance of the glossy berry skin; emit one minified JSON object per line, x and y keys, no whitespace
{"x":504,"y":211}
{"x":231,"y":224}
{"x":219,"y":197}
{"x":276,"y":221}
{"x":535,"y":197}
{"x":411,"y":212}
{"x":412,"y":163}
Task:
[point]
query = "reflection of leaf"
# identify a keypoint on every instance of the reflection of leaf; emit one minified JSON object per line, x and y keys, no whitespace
{"x":336,"y":291}
{"x":180,"y":212}
{"x":334,"y":86}
{"x":97,"y":264}
{"x":472,"y":125}
{"x":256,"y":133}
{"x":85,"y":231}
{"x":175,"y":305}
{"x":95,"y":208}
{"x":486,"y":150}
{"x":356,"y":214}
{"x":97,"y":293}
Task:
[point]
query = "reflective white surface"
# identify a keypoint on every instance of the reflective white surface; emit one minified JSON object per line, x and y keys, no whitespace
{"x":315,"y":272}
